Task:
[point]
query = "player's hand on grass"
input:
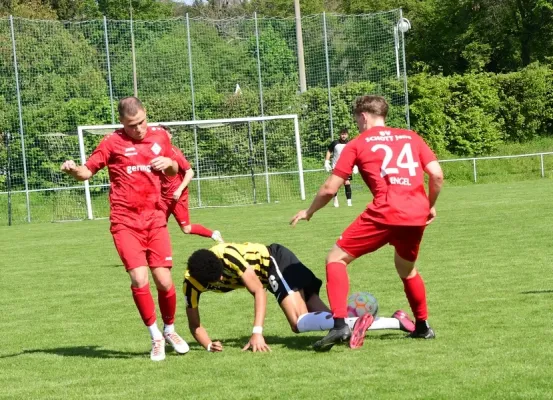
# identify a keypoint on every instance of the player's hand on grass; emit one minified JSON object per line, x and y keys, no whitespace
{"x":161,"y":163}
{"x":431,"y":216}
{"x":299,"y":216}
{"x":257,"y":343}
{"x":176,"y":194}
{"x":216,"y":347}
{"x":68,"y":166}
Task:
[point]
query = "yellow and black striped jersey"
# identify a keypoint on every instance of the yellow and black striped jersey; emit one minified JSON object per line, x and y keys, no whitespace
{"x":236,"y":258}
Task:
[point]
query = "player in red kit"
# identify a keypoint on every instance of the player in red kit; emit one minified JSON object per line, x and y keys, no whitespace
{"x":174,"y":193}
{"x":136,"y":157}
{"x":392,"y":162}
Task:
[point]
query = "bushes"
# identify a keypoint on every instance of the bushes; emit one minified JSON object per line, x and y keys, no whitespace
{"x":473,"y":114}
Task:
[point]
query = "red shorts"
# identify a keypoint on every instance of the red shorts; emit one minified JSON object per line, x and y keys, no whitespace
{"x":365,"y":236}
{"x":143,"y":248}
{"x":179,"y":209}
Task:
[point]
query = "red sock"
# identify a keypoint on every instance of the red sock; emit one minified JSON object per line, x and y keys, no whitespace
{"x":145,"y":304}
{"x":197,"y":229}
{"x":416,"y":294}
{"x":167,"y":305}
{"x":337,"y":288}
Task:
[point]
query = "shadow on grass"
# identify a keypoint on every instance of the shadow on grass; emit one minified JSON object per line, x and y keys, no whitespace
{"x":291,"y":342}
{"x":546,"y":291}
{"x":305,"y":343}
{"x":81,"y":351}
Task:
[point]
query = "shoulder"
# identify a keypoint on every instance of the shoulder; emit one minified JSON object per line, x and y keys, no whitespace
{"x":159,"y":133}
{"x":113,"y":138}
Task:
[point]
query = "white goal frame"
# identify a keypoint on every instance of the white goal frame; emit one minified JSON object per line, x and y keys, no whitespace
{"x":199,"y":123}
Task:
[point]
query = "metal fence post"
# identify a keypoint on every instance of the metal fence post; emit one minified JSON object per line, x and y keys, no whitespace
{"x":542,"y":166}
{"x":328,"y":78}
{"x":474,"y":168}
{"x":196,"y":152}
{"x":407,"y":118}
{"x":109,"y":71}
{"x":267,"y":184}
{"x":20,"y":111}
{"x":133,"y":53}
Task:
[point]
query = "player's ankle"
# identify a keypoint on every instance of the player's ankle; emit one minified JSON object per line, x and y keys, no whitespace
{"x":339,"y":323}
{"x":421,"y":325}
{"x":170,"y":328}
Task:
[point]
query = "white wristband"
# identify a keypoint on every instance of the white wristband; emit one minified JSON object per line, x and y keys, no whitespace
{"x":209,"y":347}
{"x":257,"y":329}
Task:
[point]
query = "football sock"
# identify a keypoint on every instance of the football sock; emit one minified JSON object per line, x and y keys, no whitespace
{"x":337,"y":288}
{"x":167,"y":304}
{"x":416,"y":295}
{"x":155,"y":333}
{"x":197,"y":229}
{"x":145,"y":304}
{"x":421,"y":326}
{"x":351,"y":321}
{"x":315,"y":321}
{"x":169,"y":328}
{"x":384,"y":323}
{"x":339,"y":323}
{"x":348,"y":191}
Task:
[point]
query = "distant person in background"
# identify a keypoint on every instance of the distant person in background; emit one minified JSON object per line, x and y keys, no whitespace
{"x":174,"y":193}
{"x":334,"y":150}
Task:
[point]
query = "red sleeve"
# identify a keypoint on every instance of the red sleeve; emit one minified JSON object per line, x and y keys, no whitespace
{"x":425,"y":154}
{"x":184,"y":165}
{"x":99,"y":157}
{"x":167,"y":147}
{"x":344,"y":167}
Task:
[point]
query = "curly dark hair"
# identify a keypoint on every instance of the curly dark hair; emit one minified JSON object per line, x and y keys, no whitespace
{"x":205,"y":266}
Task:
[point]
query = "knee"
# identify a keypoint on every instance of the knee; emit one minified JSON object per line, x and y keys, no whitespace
{"x":138,"y":282}
{"x":186,"y":229}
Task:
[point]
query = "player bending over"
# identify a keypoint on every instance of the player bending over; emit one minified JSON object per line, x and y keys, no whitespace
{"x":254,"y":266}
{"x":136,"y":157}
{"x":334,"y":150}
{"x":392,"y":162}
{"x":174,"y":193}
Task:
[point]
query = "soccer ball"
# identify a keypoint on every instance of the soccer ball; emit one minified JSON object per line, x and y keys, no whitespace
{"x":361,"y":303}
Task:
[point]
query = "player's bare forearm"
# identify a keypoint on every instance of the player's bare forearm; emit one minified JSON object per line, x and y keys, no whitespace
{"x":172,"y":170}
{"x":200,"y":335}
{"x":196,"y":329}
{"x":260,"y":306}
{"x":78,"y":172}
{"x":435,"y":181}
{"x":434,"y":189}
{"x":255,"y":287}
{"x":186,"y":180}
{"x":327,"y":157}
{"x":325,"y":194}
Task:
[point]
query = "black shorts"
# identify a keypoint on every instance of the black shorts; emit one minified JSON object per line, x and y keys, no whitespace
{"x":288,"y":274}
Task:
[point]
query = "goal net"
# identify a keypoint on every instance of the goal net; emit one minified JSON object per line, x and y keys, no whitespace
{"x":236,"y":161}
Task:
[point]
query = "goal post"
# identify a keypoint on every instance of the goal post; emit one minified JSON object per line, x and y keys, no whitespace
{"x":237,"y":161}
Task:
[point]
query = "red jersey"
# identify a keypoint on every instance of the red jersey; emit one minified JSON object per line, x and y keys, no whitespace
{"x":171,"y":183}
{"x":391,"y":162}
{"x":135,"y":192}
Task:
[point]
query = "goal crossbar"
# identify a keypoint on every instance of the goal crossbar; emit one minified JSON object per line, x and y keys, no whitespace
{"x":210,"y":123}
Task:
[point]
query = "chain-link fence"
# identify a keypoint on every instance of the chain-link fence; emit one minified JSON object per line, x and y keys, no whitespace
{"x":55,"y":76}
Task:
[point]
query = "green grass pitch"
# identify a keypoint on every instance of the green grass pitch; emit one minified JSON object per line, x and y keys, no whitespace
{"x":69,"y":328}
